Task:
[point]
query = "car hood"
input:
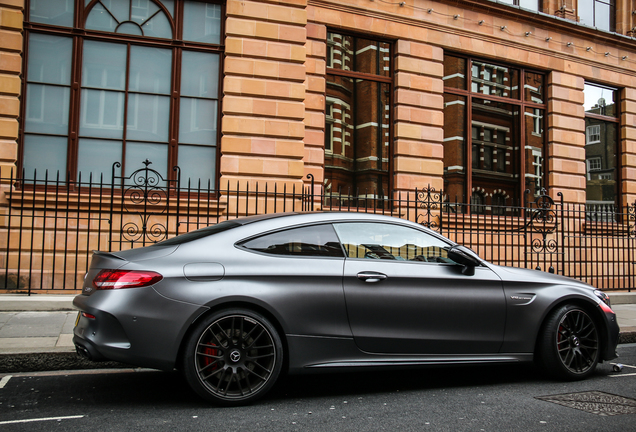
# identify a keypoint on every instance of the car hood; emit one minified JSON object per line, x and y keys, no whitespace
{"x":514,"y":274}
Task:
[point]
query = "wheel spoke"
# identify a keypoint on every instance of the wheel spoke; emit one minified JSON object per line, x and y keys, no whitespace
{"x":243,"y":359}
{"x":577,"y":341}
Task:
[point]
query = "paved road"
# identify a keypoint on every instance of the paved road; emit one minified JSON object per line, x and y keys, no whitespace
{"x":444,"y":399}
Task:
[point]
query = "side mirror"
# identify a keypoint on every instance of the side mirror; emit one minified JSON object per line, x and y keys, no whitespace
{"x":463,"y":258}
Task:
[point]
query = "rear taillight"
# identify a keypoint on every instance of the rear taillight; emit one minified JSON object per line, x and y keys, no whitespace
{"x":118,"y":279}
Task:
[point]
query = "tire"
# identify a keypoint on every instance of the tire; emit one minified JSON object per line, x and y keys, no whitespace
{"x":233,"y":357}
{"x":569,"y":347}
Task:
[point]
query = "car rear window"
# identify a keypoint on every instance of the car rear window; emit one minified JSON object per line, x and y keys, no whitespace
{"x":200,"y":233}
{"x":315,"y":240}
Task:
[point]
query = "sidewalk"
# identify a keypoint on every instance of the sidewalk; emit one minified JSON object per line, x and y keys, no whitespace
{"x":36,"y":331}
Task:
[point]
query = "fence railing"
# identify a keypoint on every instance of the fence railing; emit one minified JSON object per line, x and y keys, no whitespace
{"x":49,"y":226}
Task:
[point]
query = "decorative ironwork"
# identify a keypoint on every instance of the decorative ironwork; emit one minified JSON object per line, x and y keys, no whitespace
{"x":145,"y":193}
{"x":428,"y":200}
{"x":542,"y":219}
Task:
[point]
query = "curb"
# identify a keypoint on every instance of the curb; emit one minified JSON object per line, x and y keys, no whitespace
{"x":52,"y":361}
{"x":63,"y":361}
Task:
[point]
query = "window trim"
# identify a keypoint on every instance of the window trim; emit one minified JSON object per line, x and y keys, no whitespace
{"x":373,"y":78}
{"x":616,"y":119}
{"x":78,"y":33}
{"x":521,"y":102}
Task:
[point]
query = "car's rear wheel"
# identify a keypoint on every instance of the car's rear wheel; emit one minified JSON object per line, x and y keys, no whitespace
{"x":569,"y":346}
{"x":233,"y":357}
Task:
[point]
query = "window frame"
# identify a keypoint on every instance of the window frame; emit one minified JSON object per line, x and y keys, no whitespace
{"x":612,"y":15}
{"x":79,"y":34}
{"x":521,"y":102}
{"x":616,"y":120}
{"x":376,"y":78}
{"x":242,"y":244}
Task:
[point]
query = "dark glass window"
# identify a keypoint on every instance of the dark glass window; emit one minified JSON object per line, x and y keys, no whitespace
{"x":494,"y":140}
{"x":141,"y":96}
{"x":357,"y":125}
{"x":601,"y":146}
{"x":390,"y":242}
{"x":317,"y":241}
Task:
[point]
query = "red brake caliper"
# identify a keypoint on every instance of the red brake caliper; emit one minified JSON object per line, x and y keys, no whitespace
{"x":212,"y":352}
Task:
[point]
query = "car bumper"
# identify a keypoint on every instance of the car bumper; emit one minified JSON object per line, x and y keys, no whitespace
{"x":134,"y":326}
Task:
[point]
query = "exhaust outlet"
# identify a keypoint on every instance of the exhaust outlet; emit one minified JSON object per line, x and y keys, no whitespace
{"x":83,"y":352}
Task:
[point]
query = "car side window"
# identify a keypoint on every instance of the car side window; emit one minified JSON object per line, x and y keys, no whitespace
{"x":390,"y":242}
{"x":315,"y":240}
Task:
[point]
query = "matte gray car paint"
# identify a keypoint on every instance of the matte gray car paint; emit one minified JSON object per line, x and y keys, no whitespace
{"x":305,"y":297}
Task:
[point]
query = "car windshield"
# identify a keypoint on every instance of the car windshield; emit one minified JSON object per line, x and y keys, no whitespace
{"x":200,"y":233}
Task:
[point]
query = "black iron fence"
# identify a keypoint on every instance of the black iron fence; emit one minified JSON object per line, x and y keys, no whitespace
{"x":50,"y":226}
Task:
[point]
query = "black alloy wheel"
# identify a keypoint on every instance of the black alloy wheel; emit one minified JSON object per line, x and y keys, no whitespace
{"x":233,"y":357}
{"x":569,"y":347}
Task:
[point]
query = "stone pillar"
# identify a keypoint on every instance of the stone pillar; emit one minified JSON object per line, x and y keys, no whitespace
{"x":627,"y":145}
{"x":419,"y":116}
{"x":264,"y":93}
{"x":11,"y":19}
{"x":566,"y":136}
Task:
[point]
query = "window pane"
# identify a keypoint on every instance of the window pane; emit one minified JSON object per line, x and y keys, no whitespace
{"x":494,"y":80}
{"x":602,"y":16}
{"x":390,"y":242}
{"x":47,"y":109}
{"x":97,"y":157}
{"x":102,"y":114}
{"x":586,"y":12}
{"x":200,"y":74}
{"x":360,"y":55}
{"x":502,"y":122}
{"x":198,"y":119}
{"x":529,"y":4}
{"x":100,"y":19}
{"x":150,"y":70}
{"x":454,"y":147}
{"x":148,"y":117}
{"x":317,"y":241}
{"x":141,"y":10}
{"x":49,"y":59}
{"x":202,"y":22}
{"x":43,"y":153}
{"x":454,"y":72}
{"x":198,"y":164}
{"x":104,"y":65}
{"x":600,"y":100}
{"x":55,"y":12}
{"x":359,"y":161}
{"x":130,"y":28}
{"x":158,"y":26}
{"x":534,"y":87}
{"x":601,"y":172}
{"x":534,"y":150}
{"x":137,"y":153}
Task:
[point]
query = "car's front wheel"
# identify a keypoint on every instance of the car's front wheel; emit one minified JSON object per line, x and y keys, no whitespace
{"x":233,"y":357}
{"x":568,"y":347}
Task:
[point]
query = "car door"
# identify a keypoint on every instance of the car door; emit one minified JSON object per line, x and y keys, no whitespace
{"x":404,"y":295}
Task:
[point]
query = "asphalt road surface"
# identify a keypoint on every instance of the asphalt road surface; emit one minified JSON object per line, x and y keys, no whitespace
{"x":493,"y":398}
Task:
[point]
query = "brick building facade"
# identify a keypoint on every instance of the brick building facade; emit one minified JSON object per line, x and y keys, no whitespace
{"x":482,"y":99}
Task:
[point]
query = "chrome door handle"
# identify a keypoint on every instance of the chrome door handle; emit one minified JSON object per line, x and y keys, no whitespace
{"x":371,"y":277}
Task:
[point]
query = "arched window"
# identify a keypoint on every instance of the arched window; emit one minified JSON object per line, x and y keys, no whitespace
{"x":122,"y":81}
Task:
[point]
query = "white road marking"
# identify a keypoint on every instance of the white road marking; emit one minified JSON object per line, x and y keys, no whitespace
{"x":623,"y":375}
{"x":4,"y":381}
{"x":41,"y":419}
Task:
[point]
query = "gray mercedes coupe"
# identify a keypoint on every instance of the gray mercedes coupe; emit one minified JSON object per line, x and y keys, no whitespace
{"x":237,"y":304}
